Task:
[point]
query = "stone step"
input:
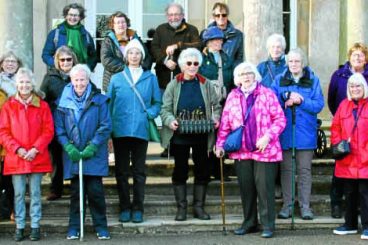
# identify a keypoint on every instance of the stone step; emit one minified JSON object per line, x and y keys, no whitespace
{"x":167,"y":225}
{"x":165,"y":205}
{"x":163,"y":185}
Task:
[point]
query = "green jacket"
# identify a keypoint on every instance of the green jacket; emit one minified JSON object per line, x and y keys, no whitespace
{"x":170,"y":105}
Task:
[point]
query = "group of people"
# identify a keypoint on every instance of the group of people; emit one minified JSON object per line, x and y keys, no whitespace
{"x":199,"y":76}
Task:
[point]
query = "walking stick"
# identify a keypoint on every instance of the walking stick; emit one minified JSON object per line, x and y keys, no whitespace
{"x":222,"y":195}
{"x":293,"y":163}
{"x":81,"y":197}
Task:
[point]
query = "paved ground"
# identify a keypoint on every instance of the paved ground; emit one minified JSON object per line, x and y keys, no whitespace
{"x":316,"y":236}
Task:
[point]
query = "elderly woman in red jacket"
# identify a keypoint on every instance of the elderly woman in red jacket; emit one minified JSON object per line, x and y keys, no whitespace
{"x":351,"y":122}
{"x":26,"y":129}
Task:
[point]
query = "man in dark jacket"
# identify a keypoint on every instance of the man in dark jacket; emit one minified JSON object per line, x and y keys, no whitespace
{"x":233,"y":42}
{"x":169,"y":40}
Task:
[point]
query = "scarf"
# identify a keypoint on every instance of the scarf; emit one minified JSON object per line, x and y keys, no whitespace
{"x":75,"y":42}
{"x":80,"y":102}
{"x":250,"y":129}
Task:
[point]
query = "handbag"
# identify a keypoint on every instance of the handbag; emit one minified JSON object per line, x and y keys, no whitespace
{"x":153,"y":133}
{"x":233,"y":141}
{"x":341,"y":149}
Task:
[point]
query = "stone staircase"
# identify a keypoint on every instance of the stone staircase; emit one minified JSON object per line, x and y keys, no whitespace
{"x":160,"y":204}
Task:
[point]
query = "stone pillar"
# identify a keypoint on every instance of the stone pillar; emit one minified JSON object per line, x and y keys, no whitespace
{"x":323,"y":46}
{"x":261,"y":19}
{"x":16,"y":29}
{"x":357,"y":22}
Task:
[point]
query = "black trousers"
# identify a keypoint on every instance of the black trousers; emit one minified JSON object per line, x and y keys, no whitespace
{"x":355,"y":190}
{"x":134,"y":150}
{"x":6,"y":195}
{"x":94,"y":193}
{"x":337,"y":190}
{"x":201,"y":164}
{"x":57,"y":179}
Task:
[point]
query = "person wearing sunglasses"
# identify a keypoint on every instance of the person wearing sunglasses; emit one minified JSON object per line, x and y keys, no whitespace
{"x":73,"y":34}
{"x":233,"y":44}
{"x":188,"y":96}
{"x":52,"y":85}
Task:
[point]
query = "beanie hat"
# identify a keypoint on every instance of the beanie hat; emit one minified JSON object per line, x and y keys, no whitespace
{"x":211,"y":33}
{"x":134,"y":43}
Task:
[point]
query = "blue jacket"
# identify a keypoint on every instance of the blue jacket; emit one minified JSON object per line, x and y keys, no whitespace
{"x":128,"y":116}
{"x":94,"y":126}
{"x":305,"y":114}
{"x":54,"y":42}
{"x":269,"y":69}
{"x":233,"y":44}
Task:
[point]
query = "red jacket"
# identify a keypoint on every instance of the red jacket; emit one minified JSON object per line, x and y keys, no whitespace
{"x":27,"y":128}
{"x":354,"y":165}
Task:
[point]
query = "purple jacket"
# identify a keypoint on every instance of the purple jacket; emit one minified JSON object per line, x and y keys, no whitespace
{"x":338,"y":86}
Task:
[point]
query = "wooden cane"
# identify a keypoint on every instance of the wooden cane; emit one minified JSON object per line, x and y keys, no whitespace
{"x":222,"y":196}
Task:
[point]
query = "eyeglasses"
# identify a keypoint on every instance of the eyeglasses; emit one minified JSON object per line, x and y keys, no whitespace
{"x":246,"y":74}
{"x":73,"y":15}
{"x":222,"y":15}
{"x":10,"y":61}
{"x":175,"y":15}
{"x":66,"y":59}
{"x":195,"y":63}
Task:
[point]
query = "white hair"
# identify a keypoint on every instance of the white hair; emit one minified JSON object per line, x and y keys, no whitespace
{"x":300,"y":52}
{"x":276,"y":38}
{"x":80,"y":67}
{"x":245,"y":66}
{"x":357,"y":79}
{"x":189,"y":52}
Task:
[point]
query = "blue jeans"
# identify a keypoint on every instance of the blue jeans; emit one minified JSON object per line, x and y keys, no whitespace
{"x":19,"y":183}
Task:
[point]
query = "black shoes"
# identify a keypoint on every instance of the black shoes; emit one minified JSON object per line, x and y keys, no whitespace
{"x":19,"y":235}
{"x":35,"y":234}
{"x":336,"y":212}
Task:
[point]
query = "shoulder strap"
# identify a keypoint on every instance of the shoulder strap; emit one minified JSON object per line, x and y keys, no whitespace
{"x":270,"y":71}
{"x":56,"y":37}
{"x":356,"y":121}
{"x":132,"y":85}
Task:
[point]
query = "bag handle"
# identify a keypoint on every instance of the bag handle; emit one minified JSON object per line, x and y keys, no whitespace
{"x":270,"y":71}
{"x":356,"y":122}
{"x":135,"y":90}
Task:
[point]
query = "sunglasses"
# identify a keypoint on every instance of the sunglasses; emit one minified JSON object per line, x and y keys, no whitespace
{"x":222,"y":15}
{"x":195,"y":63}
{"x":66,"y":59}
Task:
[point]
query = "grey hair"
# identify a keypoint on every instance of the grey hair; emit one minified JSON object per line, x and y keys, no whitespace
{"x":301,"y":53}
{"x":80,"y":67}
{"x":241,"y":68}
{"x":177,"y":5}
{"x":26,"y":71}
{"x":357,"y":79}
{"x":276,"y":38}
{"x":189,"y":52}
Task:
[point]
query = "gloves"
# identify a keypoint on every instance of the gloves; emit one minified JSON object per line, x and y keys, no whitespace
{"x":72,"y":152}
{"x":89,"y":151}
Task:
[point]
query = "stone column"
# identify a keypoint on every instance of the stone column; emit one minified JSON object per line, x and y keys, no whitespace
{"x":357,"y":22}
{"x":16,"y":29}
{"x":261,"y":19}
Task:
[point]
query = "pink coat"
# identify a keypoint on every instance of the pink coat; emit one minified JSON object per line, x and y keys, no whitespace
{"x":270,"y":120}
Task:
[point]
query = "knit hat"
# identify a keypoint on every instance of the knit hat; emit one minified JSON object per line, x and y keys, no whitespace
{"x":211,"y":33}
{"x":134,"y":43}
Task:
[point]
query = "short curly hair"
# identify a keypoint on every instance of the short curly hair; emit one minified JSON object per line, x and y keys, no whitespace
{"x":81,"y":9}
{"x":118,"y":14}
{"x":360,"y":47}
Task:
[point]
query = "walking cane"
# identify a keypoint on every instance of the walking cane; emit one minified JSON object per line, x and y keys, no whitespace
{"x":293,"y":163}
{"x":81,"y":197}
{"x":222,"y":195}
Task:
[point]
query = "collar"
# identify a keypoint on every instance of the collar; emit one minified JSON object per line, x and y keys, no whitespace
{"x":180,"y":78}
{"x":305,"y":81}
